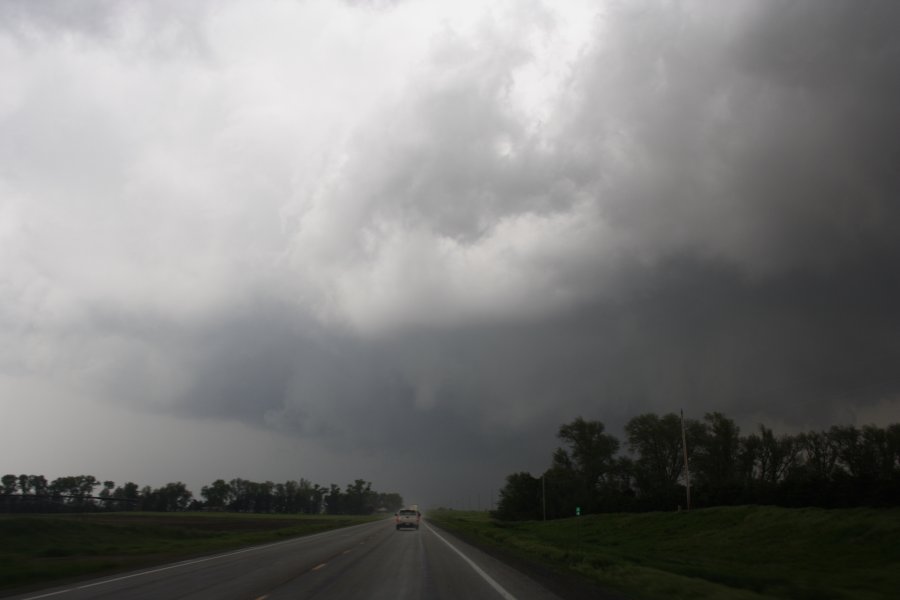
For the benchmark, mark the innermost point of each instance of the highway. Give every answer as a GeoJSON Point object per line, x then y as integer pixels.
{"type": "Point", "coordinates": [369, 561]}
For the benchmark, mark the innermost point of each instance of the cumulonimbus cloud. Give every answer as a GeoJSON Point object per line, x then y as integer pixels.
{"type": "Point", "coordinates": [305, 215]}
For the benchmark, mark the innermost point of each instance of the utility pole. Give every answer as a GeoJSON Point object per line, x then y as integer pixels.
{"type": "Point", "coordinates": [687, 469]}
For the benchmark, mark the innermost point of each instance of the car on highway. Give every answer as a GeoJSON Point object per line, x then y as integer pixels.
{"type": "Point", "coordinates": [407, 518]}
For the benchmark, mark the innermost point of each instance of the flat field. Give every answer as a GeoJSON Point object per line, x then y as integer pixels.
{"type": "Point", "coordinates": [745, 552]}
{"type": "Point", "coordinates": [44, 549]}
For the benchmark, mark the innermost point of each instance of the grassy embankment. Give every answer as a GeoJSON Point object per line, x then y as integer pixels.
{"type": "Point", "coordinates": [744, 552]}
{"type": "Point", "coordinates": [42, 549]}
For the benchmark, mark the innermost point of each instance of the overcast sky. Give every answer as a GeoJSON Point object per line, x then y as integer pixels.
{"type": "Point", "coordinates": [405, 241]}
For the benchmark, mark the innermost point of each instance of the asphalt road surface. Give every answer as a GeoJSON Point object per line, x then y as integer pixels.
{"type": "Point", "coordinates": [369, 561]}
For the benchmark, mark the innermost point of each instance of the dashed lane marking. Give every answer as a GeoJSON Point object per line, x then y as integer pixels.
{"type": "Point", "coordinates": [192, 562]}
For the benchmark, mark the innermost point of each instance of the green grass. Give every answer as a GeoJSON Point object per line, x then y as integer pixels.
{"type": "Point", "coordinates": [42, 549]}
{"type": "Point", "coordinates": [750, 552]}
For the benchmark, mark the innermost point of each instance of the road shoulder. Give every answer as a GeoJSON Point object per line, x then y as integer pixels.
{"type": "Point", "coordinates": [564, 585]}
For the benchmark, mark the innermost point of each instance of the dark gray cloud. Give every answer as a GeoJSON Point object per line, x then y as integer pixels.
{"type": "Point", "coordinates": [465, 230]}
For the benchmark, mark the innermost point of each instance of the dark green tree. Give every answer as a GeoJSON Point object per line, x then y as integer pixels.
{"type": "Point", "coordinates": [9, 484]}
{"type": "Point", "coordinates": [334, 501]}
{"type": "Point", "coordinates": [359, 498]}
{"type": "Point", "coordinates": [38, 484]}
{"type": "Point", "coordinates": [590, 458]}
{"type": "Point", "coordinates": [391, 502]}
{"type": "Point", "coordinates": [168, 498]}
{"type": "Point", "coordinates": [520, 498]}
{"type": "Point", "coordinates": [659, 459]}
{"type": "Point", "coordinates": [128, 496]}
{"type": "Point", "coordinates": [716, 444]}
{"type": "Point", "coordinates": [218, 494]}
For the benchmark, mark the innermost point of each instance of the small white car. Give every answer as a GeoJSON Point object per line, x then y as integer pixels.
{"type": "Point", "coordinates": [407, 517]}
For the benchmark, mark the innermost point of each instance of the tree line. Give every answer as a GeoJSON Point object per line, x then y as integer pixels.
{"type": "Point", "coordinates": [84, 493]}
{"type": "Point", "coordinates": [843, 466]}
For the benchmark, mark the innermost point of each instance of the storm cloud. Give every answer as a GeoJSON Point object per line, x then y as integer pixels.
{"type": "Point", "coordinates": [391, 230]}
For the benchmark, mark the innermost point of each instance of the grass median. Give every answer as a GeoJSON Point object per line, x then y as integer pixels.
{"type": "Point", "coordinates": [746, 552]}
{"type": "Point", "coordinates": [44, 549]}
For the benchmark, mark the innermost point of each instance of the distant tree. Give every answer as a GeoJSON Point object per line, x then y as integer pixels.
{"type": "Point", "coordinates": [76, 490]}
{"type": "Point", "coordinates": [106, 495]}
{"type": "Point", "coordinates": [714, 462]}
{"type": "Point", "coordinates": [308, 497]}
{"type": "Point", "coordinates": [561, 489]}
{"type": "Point", "coordinates": [878, 452]}
{"type": "Point", "coordinates": [168, 498]}
{"type": "Point", "coordinates": [620, 491]}
{"type": "Point", "coordinates": [334, 502]}
{"type": "Point", "coordinates": [8, 501]}
{"type": "Point", "coordinates": [282, 496]}
{"type": "Point", "coordinates": [218, 494]}
{"type": "Point", "coordinates": [293, 496]}
{"type": "Point", "coordinates": [778, 454]}
{"type": "Point", "coordinates": [316, 499]}
{"type": "Point", "coordinates": [148, 499]}
{"type": "Point", "coordinates": [178, 496]}
{"type": "Point", "coordinates": [359, 498]}
{"type": "Point", "coordinates": [9, 484]}
{"type": "Point", "coordinates": [590, 457]}
{"type": "Point", "coordinates": [659, 462]}
{"type": "Point", "coordinates": [893, 443]}
{"type": "Point", "coordinates": [128, 496]}
{"type": "Point", "coordinates": [764, 463]}
{"type": "Point", "coordinates": [250, 496]}
{"type": "Point", "coordinates": [867, 465]}
{"type": "Point", "coordinates": [57, 488]}
{"type": "Point", "coordinates": [520, 498]}
{"type": "Point", "coordinates": [850, 455]}
{"type": "Point", "coordinates": [241, 490]}
{"type": "Point", "coordinates": [38, 484]}
{"type": "Point", "coordinates": [391, 502]}
{"type": "Point", "coordinates": [263, 497]}
{"type": "Point", "coordinates": [812, 479]}
{"type": "Point", "coordinates": [820, 455]}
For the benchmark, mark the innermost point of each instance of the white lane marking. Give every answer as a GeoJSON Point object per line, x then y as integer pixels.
{"type": "Point", "coordinates": [499, 588]}
{"type": "Point", "coordinates": [188, 563]}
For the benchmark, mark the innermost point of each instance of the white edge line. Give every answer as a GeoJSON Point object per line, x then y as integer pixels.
{"type": "Point", "coordinates": [192, 562]}
{"type": "Point", "coordinates": [499, 588]}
